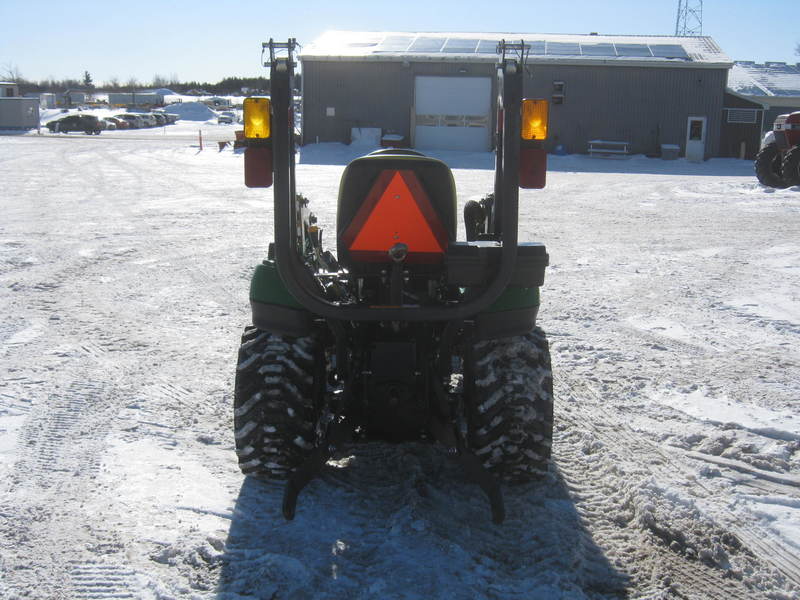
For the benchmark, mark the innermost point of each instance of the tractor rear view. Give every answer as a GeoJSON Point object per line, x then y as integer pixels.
{"type": "Point", "coordinates": [405, 333]}
{"type": "Point", "coordinates": [778, 162]}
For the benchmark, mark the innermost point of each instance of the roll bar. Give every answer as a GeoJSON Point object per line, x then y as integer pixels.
{"type": "Point", "coordinates": [296, 276]}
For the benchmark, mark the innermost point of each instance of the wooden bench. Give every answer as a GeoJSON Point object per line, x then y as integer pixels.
{"type": "Point", "coordinates": [604, 147]}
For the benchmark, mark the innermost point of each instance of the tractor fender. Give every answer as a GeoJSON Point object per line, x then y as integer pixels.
{"type": "Point", "coordinates": [769, 138]}
{"type": "Point", "coordinates": [513, 313]}
{"type": "Point", "coordinates": [274, 308]}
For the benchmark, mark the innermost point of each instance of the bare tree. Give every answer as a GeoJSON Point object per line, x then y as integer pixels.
{"type": "Point", "coordinates": [797, 49]}
{"type": "Point", "coordinates": [11, 72]}
{"type": "Point", "coordinates": [113, 83]}
{"type": "Point", "coordinates": [132, 84]}
{"type": "Point", "coordinates": [159, 81]}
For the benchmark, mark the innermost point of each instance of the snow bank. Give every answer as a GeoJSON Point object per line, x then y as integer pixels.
{"type": "Point", "coordinates": [191, 111]}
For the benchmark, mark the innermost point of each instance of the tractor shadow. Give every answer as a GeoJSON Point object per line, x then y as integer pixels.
{"type": "Point", "coordinates": [403, 522]}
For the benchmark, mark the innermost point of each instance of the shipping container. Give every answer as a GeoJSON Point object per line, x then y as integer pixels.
{"type": "Point", "coordinates": [19, 113]}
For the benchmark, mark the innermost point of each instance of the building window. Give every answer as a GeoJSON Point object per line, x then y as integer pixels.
{"type": "Point", "coordinates": [742, 115]}
{"type": "Point", "coordinates": [695, 130]}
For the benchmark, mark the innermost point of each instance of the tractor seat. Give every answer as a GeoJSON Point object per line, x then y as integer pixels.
{"type": "Point", "coordinates": [407, 190]}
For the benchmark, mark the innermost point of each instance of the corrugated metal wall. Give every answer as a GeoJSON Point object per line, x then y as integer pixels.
{"type": "Point", "coordinates": [735, 132]}
{"type": "Point", "coordinates": [366, 94]}
{"type": "Point", "coordinates": [645, 106]}
{"type": "Point", "coordinates": [19, 113]}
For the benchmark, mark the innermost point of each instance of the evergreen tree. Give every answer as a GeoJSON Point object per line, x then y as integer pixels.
{"type": "Point", "coordinates": [87, 80]}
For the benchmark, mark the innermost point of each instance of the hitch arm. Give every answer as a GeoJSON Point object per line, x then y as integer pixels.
{"type": "Point", "coordinates": [445, 432]}
{"type": "Point", "coordinates": [338, 433]}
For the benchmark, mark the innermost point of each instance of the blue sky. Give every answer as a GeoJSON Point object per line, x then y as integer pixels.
{"type": "Point", "coordinates": [205, 41]}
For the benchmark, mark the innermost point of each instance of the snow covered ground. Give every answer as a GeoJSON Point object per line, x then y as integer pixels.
{"type": "Point", "coordinates": [673, 311]}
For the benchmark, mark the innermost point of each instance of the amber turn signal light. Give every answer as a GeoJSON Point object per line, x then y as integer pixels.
{"type": "Point", "coordinates": [534, 119]}
{"type": "Point", "coordinates": [257, 118]}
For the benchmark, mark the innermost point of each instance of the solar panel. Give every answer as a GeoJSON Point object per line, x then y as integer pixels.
{"type": "Point", "coordinates": [394, 43]}
{"type": "Point", "coordinates": [536, 47]}
{"type": "Point", "coordinates": [563, 48]}
{"type": "Point", "coordinates": [669, 51]}
{"type": "Point", "coordinates": [460, 46]}
{"type": "Point", "coordinates": [487, 47]}
{"type": "Point", "coordinates": [598, 50]}
{"type": "Point", "coordinates": [633, 50]}
{"type": "Point", "coordinates": [426, 44]}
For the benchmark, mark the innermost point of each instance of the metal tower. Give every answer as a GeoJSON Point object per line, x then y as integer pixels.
{"type": "Point", "coordinates": [690, 18]}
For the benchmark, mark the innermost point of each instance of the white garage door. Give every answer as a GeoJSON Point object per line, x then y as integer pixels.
{"type": "Point", "coordinates": [452, 113]}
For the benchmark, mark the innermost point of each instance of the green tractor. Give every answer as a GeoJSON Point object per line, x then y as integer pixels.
{"type": "Point", "coordinates": [405, 333]}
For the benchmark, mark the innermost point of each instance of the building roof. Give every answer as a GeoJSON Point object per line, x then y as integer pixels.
{"type": "Point", "coordinates": [671, 51]}
{"type": "Point", "coordinates": [770, 79]}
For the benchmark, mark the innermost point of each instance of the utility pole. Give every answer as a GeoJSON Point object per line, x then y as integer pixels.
{"type": "Point", "coordinates": [690, 18]}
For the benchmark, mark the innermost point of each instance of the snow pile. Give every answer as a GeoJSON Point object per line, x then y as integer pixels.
{"type": "Point", "coordinates": [365, 136]}
{"type": "Point", "coordinates": [191, 111]}
{"type": "Point", "coordinates": [50, 114]}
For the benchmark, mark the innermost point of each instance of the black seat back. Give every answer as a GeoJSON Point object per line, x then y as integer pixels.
{"type": "Point", "coordinates": [361, 174]}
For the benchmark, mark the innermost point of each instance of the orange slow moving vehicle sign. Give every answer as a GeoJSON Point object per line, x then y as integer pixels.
{"type": "Point", "coordinates": [397, 210]}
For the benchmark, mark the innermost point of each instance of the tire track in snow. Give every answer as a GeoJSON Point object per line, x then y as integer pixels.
{"type": "Point", "coordinates": [101, 581]}
{"type": "Point", "coordinates": [59, 433]}
{"type": "Point", "coordinates": [644, 459]}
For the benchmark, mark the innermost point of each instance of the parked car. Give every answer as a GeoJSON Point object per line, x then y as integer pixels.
{"type": "Point", "coordinates": [227, 116]}
{"type": "Point", "coordinates": [148, 118]}
{"type": "Point", "coordinates": [134, 121]}
{"type": "Point", "coordinates": [109, 123]}
{"type": "Point", "coordinates": [89, 124]}
{"type": "Point", "coordinates": [171, 118]}
{"type": "Point", "coordinates": [160, 118]}
{"type": "Point", "coordinates": [120, 123]}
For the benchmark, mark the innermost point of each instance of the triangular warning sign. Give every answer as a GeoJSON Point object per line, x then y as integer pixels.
{"type": "Point", "coordinates": [397, 210]}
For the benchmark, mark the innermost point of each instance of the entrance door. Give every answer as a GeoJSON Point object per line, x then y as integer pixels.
{"type": "Point", "coordinates": [452, 113]}
{"type": "Point", "coordinates": [696, 139]}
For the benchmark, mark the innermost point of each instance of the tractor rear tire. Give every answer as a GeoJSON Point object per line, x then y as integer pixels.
{"type": "Point", "coordinates": [274, 403]}
{"type": "Point", "coordinates": [510, 406]}
{"type": "Point", "coordinates": [791, 167]}
{"type": "Point", "coordinates": [768, 166]}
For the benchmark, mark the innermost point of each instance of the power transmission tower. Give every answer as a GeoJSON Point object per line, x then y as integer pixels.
{"type": "Point", "coordinates": [690, 18]}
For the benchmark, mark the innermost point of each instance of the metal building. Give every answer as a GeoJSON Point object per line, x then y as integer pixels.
{"type": "Point", "coordinates": [19, 113]}
{"type": "Point", "coordinates": [741, 133]}
{"type": "Point", "coordinates": [8, 89]}
{"type": "Point", "coordinates": [775, 86]}
{"type": "Point", "coordinates": [436, 90]}
{"type": "Point", "coordinates": [120, 99]}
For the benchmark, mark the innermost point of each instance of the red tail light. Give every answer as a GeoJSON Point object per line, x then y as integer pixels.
{"type": "Point", "coordinates": [258, 166]}
{"type": "Point", "coordinates": [532, 168]}
{"type": "Point", "coordinates": [397, 209]}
